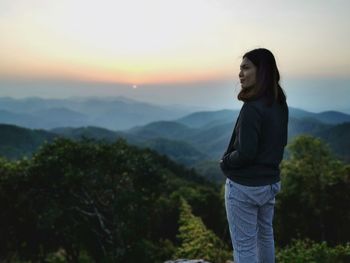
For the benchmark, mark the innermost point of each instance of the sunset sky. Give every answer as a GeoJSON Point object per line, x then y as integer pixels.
{"type": "Point", "coordinates": [181, 52]}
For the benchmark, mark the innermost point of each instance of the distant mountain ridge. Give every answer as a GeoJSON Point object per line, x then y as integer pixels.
{"type": "Point", "coordinates": [122, 113]}
{"type": "Point", "coordinates": [205, 118]}
{"type": "Point", "coordinates": [167, 129]}
{"type": "Point", "coordinates": [112, 113]}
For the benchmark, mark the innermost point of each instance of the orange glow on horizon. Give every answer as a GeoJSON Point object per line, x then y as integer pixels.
{"type": "Point", "coordinates": [137, 76]}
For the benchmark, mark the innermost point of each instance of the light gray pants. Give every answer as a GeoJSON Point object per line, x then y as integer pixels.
{"type": "Point", "coordinates": [249, 211]}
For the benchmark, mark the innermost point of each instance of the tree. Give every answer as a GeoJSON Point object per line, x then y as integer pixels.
{"type": "Point", "coordinates": [196, 240]}
{"type": "Point", "coordinates": [110, 202]}
{"type": "Point", "coordinates": [314, 198]}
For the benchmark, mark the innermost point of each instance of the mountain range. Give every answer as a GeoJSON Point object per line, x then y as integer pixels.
{"type": "Point", "coordinates": [112, 113]}
{"type": "Point", "coordinates": [196, 139]}
{"type": "Point", "coordinates": [122, 113]}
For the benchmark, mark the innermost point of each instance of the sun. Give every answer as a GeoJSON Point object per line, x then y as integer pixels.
{"type": "Point", "coordinates": [134, 86]}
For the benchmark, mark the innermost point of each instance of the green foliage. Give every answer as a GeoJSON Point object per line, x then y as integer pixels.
{"type": "Point", "coordinates": [212, 214]}
{"type": "Point", "coordinates": [307, 251]}
{"type": "Point", "coordinates": [112, 201]}
{"type": "Point", "coordinates": [196, 240]}
{"type": "Point", "coordinates": [96, 201]}
{"type": "Point", "coordinates": [314, 196]}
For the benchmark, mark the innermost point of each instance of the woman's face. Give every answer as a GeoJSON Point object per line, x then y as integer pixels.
{"type": "Point", "coordinates": [247, 74]}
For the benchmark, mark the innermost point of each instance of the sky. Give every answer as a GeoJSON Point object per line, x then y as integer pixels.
{"type": "Point", "coordinates": [173, 52]}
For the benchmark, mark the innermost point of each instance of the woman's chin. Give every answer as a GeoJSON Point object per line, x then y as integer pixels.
{"type": "Point", "coordinates": [245, 87]}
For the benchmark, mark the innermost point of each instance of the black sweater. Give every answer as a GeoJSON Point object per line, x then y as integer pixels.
{"type": "Point", "coordinates": [257, 143]}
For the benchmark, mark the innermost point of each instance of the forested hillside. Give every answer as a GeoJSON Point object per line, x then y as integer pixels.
{"type": "Point", "coordinates": [17, 142]}
{"type": "Point", "coordinates": [93, 201]}
{"type": "Point", "coordinates": [92, 197]}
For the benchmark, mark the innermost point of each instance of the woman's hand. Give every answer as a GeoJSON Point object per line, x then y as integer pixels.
{"type": "Point", "coordinates": [222, 165]}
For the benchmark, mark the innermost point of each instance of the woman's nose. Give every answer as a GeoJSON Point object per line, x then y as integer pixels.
{"type": "Point", "coordinates": [240, 74]}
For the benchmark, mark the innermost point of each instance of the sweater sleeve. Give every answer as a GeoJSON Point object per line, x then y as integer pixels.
{"type": "Point", "coordinates": [249, 128]}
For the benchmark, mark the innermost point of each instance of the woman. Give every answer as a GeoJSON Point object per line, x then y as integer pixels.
{"type": "Point", "coordinates": [251, 161]}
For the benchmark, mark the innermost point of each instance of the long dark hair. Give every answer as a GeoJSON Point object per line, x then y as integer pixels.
{"type": "Point", "coordinates": [267, 78]}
